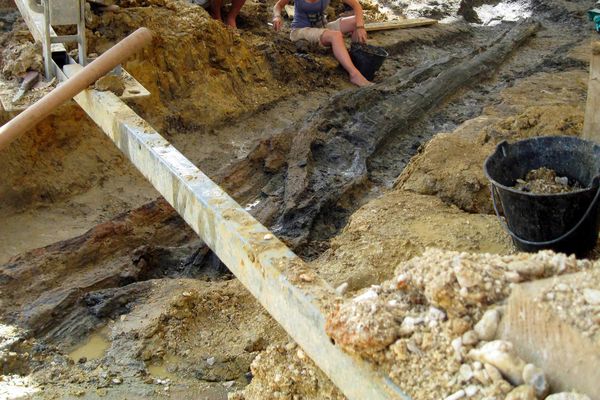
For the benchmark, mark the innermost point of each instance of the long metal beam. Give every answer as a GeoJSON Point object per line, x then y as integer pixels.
{"type": "Point", "coordinates": [288, 289]}
{"type": "Point", "coordinates": [279, 279]}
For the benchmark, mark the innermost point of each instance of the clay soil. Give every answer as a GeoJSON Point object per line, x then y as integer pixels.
{"type": "Point", "coordinates": [106, 293]}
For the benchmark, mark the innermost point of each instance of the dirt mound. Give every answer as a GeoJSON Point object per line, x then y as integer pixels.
{"type": "Point", "coordinates": [285, 372]}
{"type": "Point", "coordinates": [199, 71]}
{"type": "Point", "coordinates": [450, 166]}
{"type": "Point", "coordinates": [409, 324]}
{"type": "Point", "coordinates": [398, 226]}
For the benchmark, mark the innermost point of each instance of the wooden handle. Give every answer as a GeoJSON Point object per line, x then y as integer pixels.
{"type": "Point", "coordinates": [72, 86]}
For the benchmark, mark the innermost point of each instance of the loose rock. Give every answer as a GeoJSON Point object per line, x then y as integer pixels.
{"type": "Point", "coordinates": [488, 325]}
{"type": "Point", "coordinates": [536, 378]}
{"type": "Point", "coordinates": [501, 355]}
{"type": "Point", "coordinates": [523, 392]}
{"type": "Point", "coordinates": [567, 396]}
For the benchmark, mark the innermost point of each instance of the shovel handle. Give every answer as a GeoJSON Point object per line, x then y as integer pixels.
{"type": "Point", "coordinates": [72, 86]}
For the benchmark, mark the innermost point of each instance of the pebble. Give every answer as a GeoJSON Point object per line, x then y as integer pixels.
{"type": "Point", "coordinates": [482, 376]}
{"type": "Point", "coordinates": [457, 346]}
{"type": "Point", "coordinates": [437, 314]}
{"type": "Point", "coordinates": [455, 396]}
{"type": "Point", "coordinates": [493, 372]}
{"type": "Point", "coordinates": [591, 296]}
{"type": "Point", "coordinates": [488, 325]}
{"type": "Point", "coordinates": [465, 373]}
{"type": "Point", "coordinates": [409, 325]}
{"type": "Point", "coordinates": [290, 346]}
{"type": "Point", "coordinates": [470, 338]}
{"type": "Point", "coordinates": [306, 278]}
{"type": "Point", "coordinates": [535, 377]}
{"type": "Point", "coordinates": [567, 396]}
{"type": "Point", "coordinates": [523, 392]}
{"type": "Point", "coordinates": [343, 288]}
{"type": "Point", "coordinates": [268, 236]}
{"type": "Point", "coordinates": [210, 361]}
{"type": "Point", "coordinates": [501, 355]}
{"type": "Point", "coordinates": [471, 390]}
{"type": "Point", "coordinates": [562, 287]}
{"type": "Point", "coordinates": [228, 384]}
{"type": "Point", "coordinates": [300, 354]}
{"type": "Point", "coordinates": [117, 381]}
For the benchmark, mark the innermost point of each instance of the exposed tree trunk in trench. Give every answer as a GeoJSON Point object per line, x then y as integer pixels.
{"type": "Point", "coordinates": [327, 156]}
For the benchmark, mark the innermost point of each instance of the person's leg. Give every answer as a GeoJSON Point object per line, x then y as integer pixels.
{"type": "Point", "coordinates": [215, 9]}
{"type": "Point", "coordinates": [236, 6]}
{"type": "Point", "coordinates": [347, 24]}
{"type": "Point", "coordinates": [335, 39]}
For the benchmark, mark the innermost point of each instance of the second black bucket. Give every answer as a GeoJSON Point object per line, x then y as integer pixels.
{"type": "Point", "coordinates": [564, 222]}
{"type": "Point", "coordinates": [367, 59]}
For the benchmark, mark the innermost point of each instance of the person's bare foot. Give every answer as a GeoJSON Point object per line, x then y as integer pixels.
{"type": "Point", "coordinates": [231, 22]}
{"type": "Point", "coordinates": [360, 80]}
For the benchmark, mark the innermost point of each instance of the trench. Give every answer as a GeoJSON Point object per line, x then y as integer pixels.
{"type": "Point", "coordinates": [136, 269]}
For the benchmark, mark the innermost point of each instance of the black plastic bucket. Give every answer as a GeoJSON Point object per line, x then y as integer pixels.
{"type": "Point", "coordinates": [564, 222]}
{"type": "Point", "coordinates": [367, 59]}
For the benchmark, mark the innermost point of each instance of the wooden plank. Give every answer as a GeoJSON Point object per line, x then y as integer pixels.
{"type": "Point", "coordinates": [591, 123]}
{"type": "Point", "coordinates": [403, 24]}
{"type": "Point", "coordinates": [568, 357]}
{"type": "Point", "coordinates": [296, 297]}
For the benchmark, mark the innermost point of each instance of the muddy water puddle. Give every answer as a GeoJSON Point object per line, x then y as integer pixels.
{"type": "Point", "coordinates": [166, 368]}
{"type": "Point", "coordinates": [92, 349]}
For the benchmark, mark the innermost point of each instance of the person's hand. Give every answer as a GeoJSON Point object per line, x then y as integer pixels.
{"type": "Point", "coordinates": [277, 23]}
{"type": "Point", "coordinates": [359, 35]}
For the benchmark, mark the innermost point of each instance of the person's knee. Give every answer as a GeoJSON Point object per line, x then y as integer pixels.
{"type": "Point", "coordinates": [336, 36]}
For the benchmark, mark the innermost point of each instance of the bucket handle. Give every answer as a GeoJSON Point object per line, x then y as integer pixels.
{"type": "Point", "coordinates": [548, 242]}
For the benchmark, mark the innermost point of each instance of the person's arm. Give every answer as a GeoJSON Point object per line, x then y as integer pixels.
{"type": "Point", "coordinates": [277, 8]}
{"type": "Point", "coordinates": [360, 34]}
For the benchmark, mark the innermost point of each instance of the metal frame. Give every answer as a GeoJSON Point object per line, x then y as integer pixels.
{"type": "Point", "coordinates": [288, 289]}
{"type": "Point", "coordinates": [50, 37]}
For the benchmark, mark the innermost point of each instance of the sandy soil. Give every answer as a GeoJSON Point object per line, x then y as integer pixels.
{"type": "Point", "coordinates": [146, 313]}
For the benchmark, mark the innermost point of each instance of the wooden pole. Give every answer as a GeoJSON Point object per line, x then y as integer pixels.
{"type": "Point", "coordinates": [71, 87]}
{"type": "Point", "coordinates": [591, 123]}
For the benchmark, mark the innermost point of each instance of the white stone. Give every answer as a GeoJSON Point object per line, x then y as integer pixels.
{"type": "Point", "coordinates": [471, 390]}
{"type": "Point", "coordinates": [465, 373]}
{"type": "Point", "coordinates": [340, 290]}
{"type": "Point", "coordinates": [488, 325]}
{"type": "Point", "coordinates": [591, 296]}
{"type": "Point", "coordinates": [493, 372]}
{"type": "Point", "coordinates": [210, 361]}
{"type": "Point", "coordinates": [482, 376]}
{"type": "Point", "coordinates": [523, 392]}
{"type": "Point", "coordinates": [567, 396]}
{"type": "Point", "coordinates": [456, 396]}
{"type": "Point", "coordinates": [436, 314]}
{"type": "Point", "coordinates": [501, 355]}
{"type": "Point", "coordinates": [470, 338]}
{"type": "Point", "coordinates": [409, 325]}
{"type": "Point", "coordinates": [535, 377]}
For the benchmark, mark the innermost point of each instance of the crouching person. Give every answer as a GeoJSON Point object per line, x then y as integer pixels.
{"type": "Point", "coordinates": [310, 24]}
